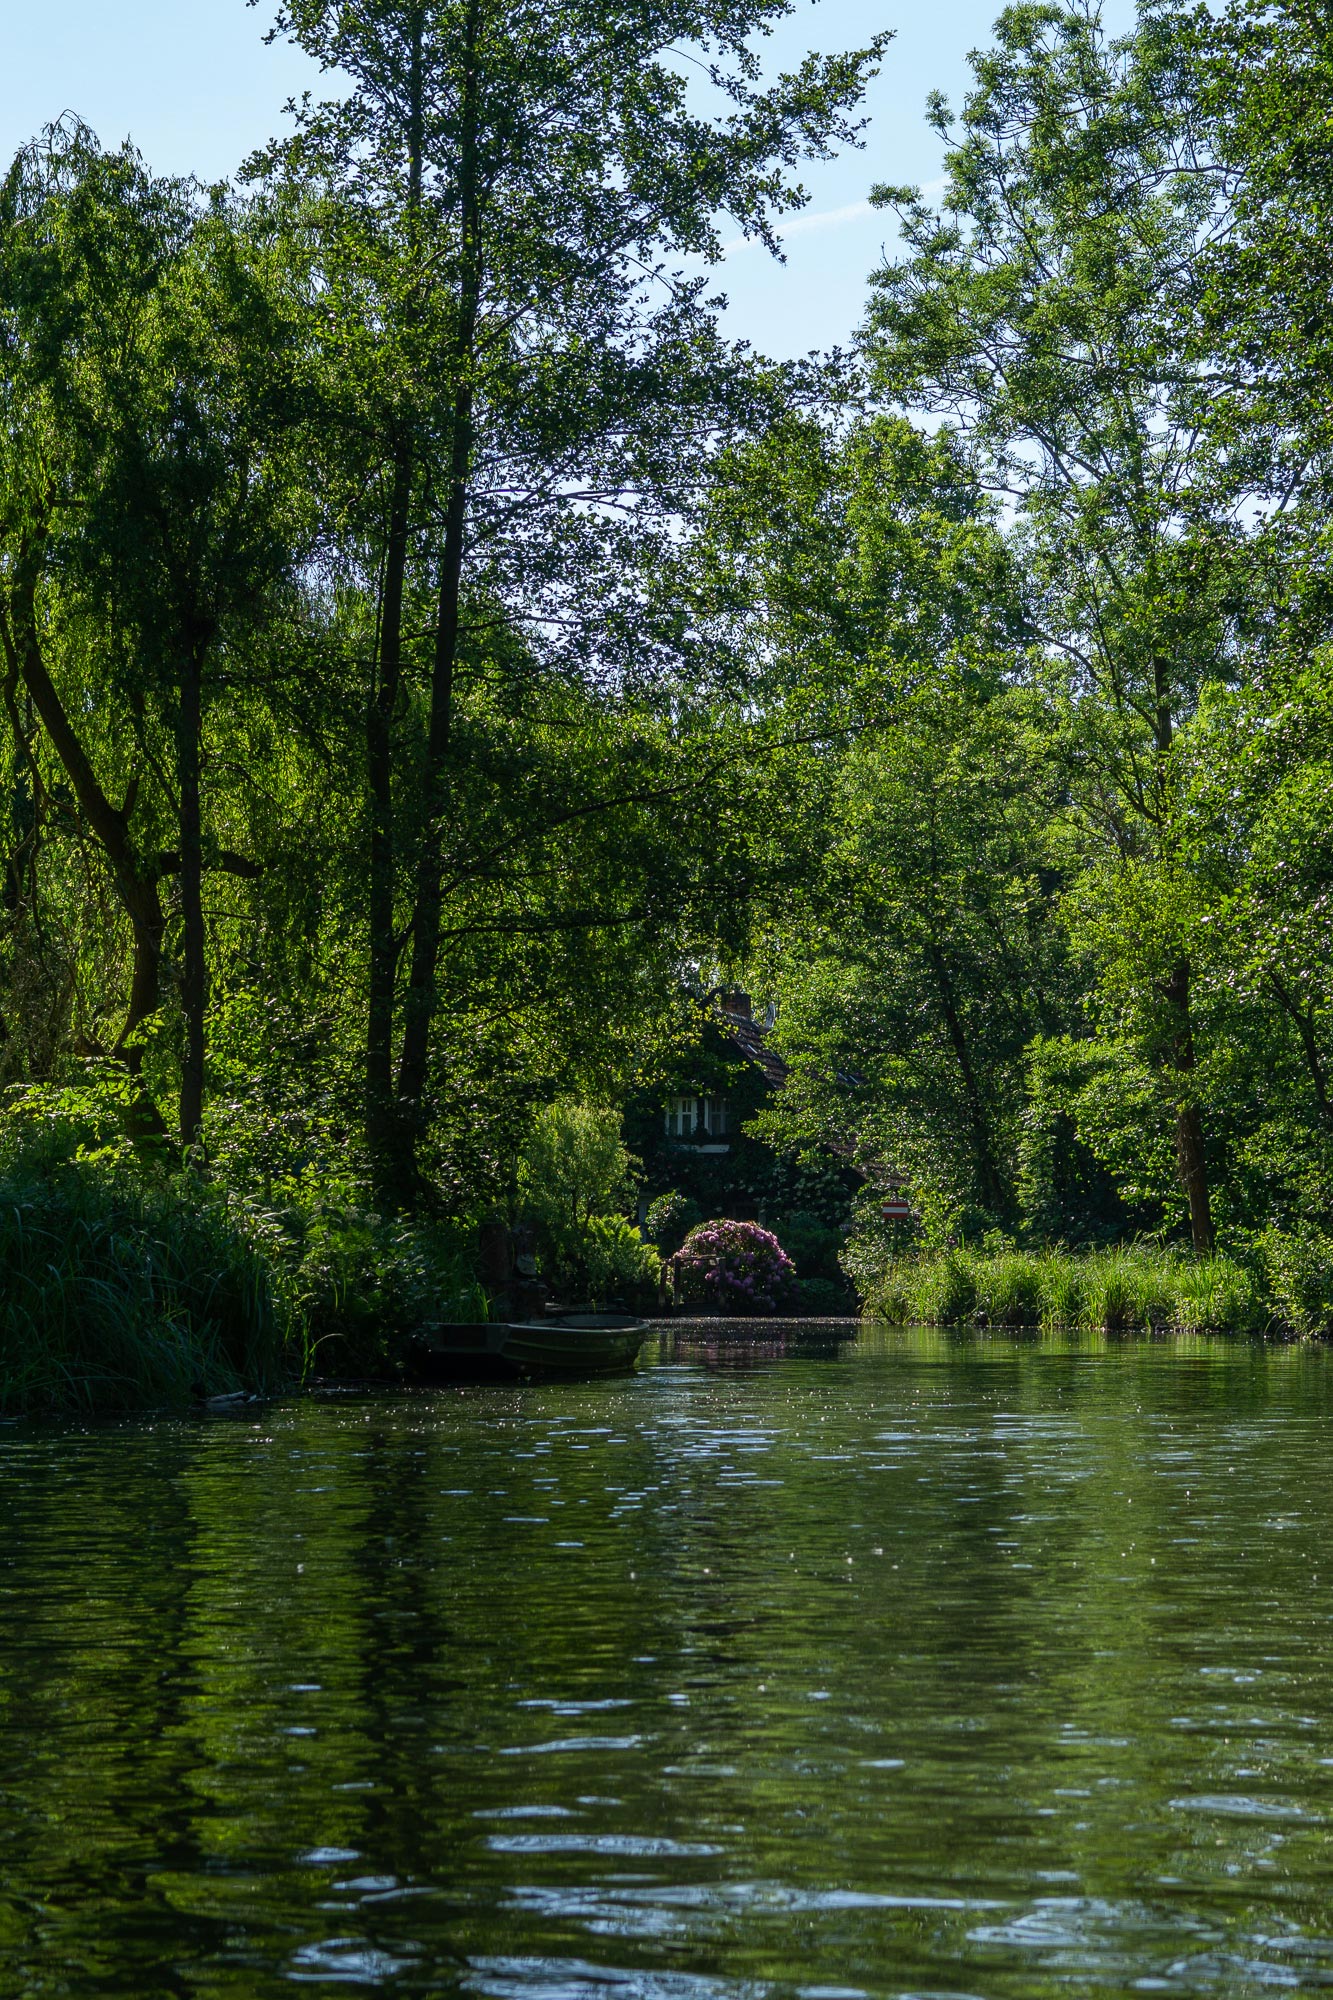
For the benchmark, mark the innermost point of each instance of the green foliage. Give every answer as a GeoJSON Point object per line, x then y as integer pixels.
{"type": "Point", "coordinates": [123, 1291]}
{"type": "Point", "coordinates": [1007, 1290]}
{"type": "Point", "coordinates": [1128, 1289]}
{"type": "Point", "coordinates": [946, 1294]}
{"type": "Point", "coordinates": [927, 953]}
{"type": "Point", "coordinates": [823, 1298]}
{"type": "Point", "coordinates": [574, 1165]}
{"type": "Point", "coordinates": [670, 1219]}
{"type": "Point", "coordinates": [1297, 1273]}
{"type": "Point", "coordinates": [620, 1266]}
{"type": "Point", "coordinates": [366, 1285]}
{"type": "Point", "coordinates": [431, 657]}
{"type": "Point", "coordinates": [811, 1243]}
{"type": "Point", "coordinates": [599, 1260]}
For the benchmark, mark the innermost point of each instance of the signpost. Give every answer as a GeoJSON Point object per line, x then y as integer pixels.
{"type": "Point", "coordinates": [896, 1208]}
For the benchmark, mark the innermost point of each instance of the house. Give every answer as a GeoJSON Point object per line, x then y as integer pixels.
{"type": "Point", "coordinates": [694, 1143]}
{"type": "Point", "coordinates": [693, 1139]}
{"type": "Point", "coordinates": [705, 1120]}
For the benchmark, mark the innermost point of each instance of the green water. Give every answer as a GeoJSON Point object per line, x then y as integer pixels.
{"type": "Point", "coordinates": [924, 1666]}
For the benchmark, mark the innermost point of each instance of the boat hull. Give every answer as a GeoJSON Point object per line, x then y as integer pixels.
{"type": "Point", "coordinates": [574, 1345]}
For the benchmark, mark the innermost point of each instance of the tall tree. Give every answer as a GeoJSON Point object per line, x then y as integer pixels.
{"type": "Point", "coordinates": [149, 523]}
{"type": "Point", "coordinates": [1046, 312]}
{"type": "Point", "coordinates": [529, 387]}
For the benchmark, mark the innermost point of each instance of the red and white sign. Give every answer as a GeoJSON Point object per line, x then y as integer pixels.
{"type": "Point", "coordinates": [896, 1209]}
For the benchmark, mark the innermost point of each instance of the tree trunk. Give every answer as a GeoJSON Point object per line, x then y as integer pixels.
{"type": "Point", "coordinates": [381, 1111]}
{"type": "Point", "coordinates": [194, 965]}
{"type": "Point", "coordinates": [419, 1002]}
{"type": "Point", "coordinates": [1191, 1158]}
{"type": "Point", "coordinates": [383, 971]}
{"type": "Point", "coordinates": [136, 885]}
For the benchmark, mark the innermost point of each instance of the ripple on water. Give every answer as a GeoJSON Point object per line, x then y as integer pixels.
{"type": "Point", "coordinates": [917, 1666]}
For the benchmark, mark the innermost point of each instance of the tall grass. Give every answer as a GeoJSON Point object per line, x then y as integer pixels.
{"type": "Point", "coordinates": [117, 1293]}
{"type": "Point", "coordinates": [1130, 1290]}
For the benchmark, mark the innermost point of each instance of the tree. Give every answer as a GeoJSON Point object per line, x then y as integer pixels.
{"type": "Point", "coordinates": [1046, 314]}
{"type": "Point", "coordinates": [197, 529]}
{"type": "Point", "coordinates": [527, 390]}
{"type": "Point", "coordinates": [82, 235]}
{"type": "Point", "coordinates": [152, 522]}
{"type": "Point", "coordinates": [927, 954]}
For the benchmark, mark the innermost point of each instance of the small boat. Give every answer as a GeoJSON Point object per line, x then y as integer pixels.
{"type": "Point", "coordinates": [568, 1344]}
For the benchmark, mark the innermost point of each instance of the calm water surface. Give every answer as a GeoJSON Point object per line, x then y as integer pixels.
{"type": "Point", "coordinates": [920, 1666]}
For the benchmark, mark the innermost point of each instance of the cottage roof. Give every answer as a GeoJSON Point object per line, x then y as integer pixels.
{"type": "Point", "coordinates": [745, 1034]}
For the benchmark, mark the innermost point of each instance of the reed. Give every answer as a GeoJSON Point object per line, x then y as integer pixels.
{"type": "Point", "coordinates": [119, 1294]}
{"type": "Point", "coordinates": [1137, 1288]}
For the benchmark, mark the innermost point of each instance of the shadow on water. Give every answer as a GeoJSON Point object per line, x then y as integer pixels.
{"type": "Point", "coordinates": [902, 1665]}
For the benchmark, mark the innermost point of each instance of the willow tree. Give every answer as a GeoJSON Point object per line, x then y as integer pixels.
{"type": "Point", "coordinates": [524, 388]}
{"type": "Point", "coordinates": [148, 526]}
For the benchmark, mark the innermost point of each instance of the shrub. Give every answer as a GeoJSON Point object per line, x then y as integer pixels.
{"type": "Point", "coordinates": [575, 1165]}
{"type": "Point", "coordinates": [812, 1244]}
{"type": "Point", "coordinates": [670, 1219]}
{"type": "Point", "coordinates": [120, 1291]}
{"type": "Point", "coordinates": [1296, 1271]}
{"type": "Point", "coordinates": [735, 1265]}
{"type": "Point", "coordinates": [365, 1284]}
{"type": "Point", "coordinates": [620, 1266]}
{"type": "Point", "coordinates": [824, 1298]}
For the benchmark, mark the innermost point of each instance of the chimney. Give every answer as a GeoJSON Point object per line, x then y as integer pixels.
{"type": "Point", "coordinates": [736, 1004]}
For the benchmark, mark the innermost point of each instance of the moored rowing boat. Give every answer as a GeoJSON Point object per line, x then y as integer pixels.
{"type": "Point", "coordinates": [571, 1344]}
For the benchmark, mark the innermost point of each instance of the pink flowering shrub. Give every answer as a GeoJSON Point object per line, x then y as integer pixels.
{"type": "Point", "coordinates": [734, 1265]}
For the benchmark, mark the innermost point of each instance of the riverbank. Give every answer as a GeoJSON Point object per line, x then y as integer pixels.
{"type": "Point", "coordinates": [1282, 1288]}
{"type": "Point", "coordinates": [123, 1289]}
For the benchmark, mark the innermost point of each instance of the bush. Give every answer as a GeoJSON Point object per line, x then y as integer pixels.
{"type": "Point", "coordinates": [1296, 1269]}
{"type": "Point", "coordinates": [620, 1267]}
{"type": "Point", "coordinates": [123, 1291]}
{"type": "Point", "coordinates": [365, 1284]}
{"type": "Point", "coordinates": [670, 1219]}
{"type": "Point", "coordinates": [574, 1166]}
{"type": "Point", "coordinates": [812, 1244]}
{"type": "Point", "coordinates": [734, 1265]}
{"type": "Point", "coordinates": [823, 1298]}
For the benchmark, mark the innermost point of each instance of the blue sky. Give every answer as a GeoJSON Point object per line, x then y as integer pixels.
{"type": "Point", "coordinates": [191, 82]}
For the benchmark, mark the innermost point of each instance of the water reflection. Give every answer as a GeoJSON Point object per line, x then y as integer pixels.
{"type": "Point", "coordinates": [750, 1343]}
{"type": "Point", "coordinates": [922, 1664]}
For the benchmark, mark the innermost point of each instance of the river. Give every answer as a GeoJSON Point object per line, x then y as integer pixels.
{"type": "Point", "coordinates": [916, 1665]}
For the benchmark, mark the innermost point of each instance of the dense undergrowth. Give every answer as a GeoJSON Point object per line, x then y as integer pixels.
{"type": "Point", "coordinates": [1283, 1286]}
{"type": "Point", "coordinates": [117, 1294]}
{"type": "Point", "coordinates": [125, 1285]}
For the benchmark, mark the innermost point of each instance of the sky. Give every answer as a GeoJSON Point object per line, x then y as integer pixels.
{"type": "Point", "coordinates": [192, 84]}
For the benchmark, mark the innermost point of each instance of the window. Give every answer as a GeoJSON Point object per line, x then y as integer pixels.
{"type": "Point", "coordinates": [695, 1117]}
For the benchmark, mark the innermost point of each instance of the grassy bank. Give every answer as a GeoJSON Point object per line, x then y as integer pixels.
{"type": "Point", "coordinates": [1281, 1289]}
